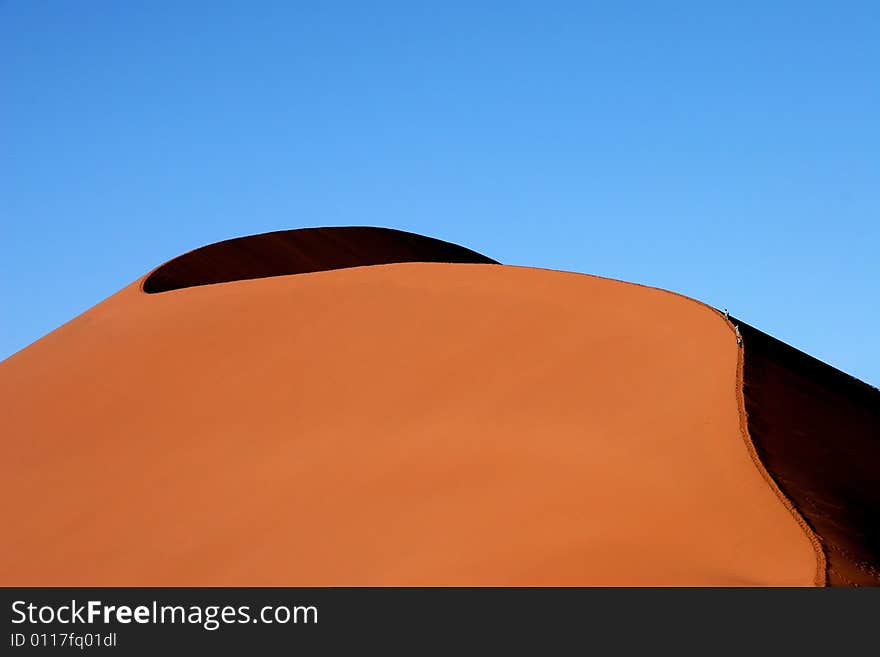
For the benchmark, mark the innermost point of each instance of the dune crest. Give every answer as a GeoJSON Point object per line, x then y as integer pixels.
{"type": "Point", "coordinates": [301, 251]}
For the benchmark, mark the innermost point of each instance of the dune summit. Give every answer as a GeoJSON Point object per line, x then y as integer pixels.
{"type": "Point", "coordinates": [360, 406]}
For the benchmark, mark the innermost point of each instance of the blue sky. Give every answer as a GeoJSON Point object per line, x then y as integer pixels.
{"type": "Point", "coordinates": [729, 151]}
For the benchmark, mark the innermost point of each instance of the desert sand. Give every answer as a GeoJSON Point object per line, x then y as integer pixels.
{"type": "Point", "coordinates": [415, 423]}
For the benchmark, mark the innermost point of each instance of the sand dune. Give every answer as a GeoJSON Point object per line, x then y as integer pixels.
{"type": "Point", "coordinates": [414, 423]}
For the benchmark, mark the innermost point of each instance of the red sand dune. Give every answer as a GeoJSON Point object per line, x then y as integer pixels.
{"type": "Point", "coordinates": [416, 423]}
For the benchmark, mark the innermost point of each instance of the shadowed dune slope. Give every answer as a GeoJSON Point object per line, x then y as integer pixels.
{"type": "Point", "coordinates": [403, 424]}
{"type": "Point", "coordinates": [817, 431]}
{"type": "Point", "coordinates": [302, 251]}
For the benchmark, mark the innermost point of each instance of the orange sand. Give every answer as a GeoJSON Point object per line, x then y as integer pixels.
{"type": "Point", "coordinates": [404, 424]}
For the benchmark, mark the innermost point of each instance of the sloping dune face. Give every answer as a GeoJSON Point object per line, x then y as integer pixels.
{"type": "Point", "coordinates": [400, 424]}
{"type": "Point", "coordinates": [817, 430]}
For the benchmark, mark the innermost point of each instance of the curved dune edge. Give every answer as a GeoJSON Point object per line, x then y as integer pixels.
{"type": "Point", "coordinates": [817, 432]}
{"type": "Point", "coordinates": [146, 326]}
{"type": "Point", "coordinates": [821, 577]}
{"type": "Point", "coordinates": [301, 251]}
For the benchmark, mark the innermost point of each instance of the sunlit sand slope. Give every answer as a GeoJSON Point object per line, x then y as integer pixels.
{"type": "Point", "coordinates": [416, 423]}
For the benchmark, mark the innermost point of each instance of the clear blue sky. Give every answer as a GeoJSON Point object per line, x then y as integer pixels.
{"type": "Point", "coordinates": [729, 151]}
